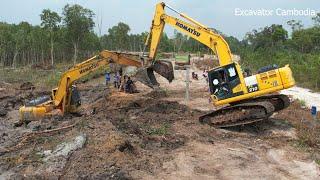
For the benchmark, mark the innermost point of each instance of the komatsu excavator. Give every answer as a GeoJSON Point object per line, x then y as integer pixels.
{"type": "Point", "coordinates": [66, 99]}
{"type": "Point", "coordinates": [245, 99]}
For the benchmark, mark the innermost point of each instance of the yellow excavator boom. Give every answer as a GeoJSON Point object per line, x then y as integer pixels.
{"type": "Point", "coordinates": [60, 101]}
{"type": "Point", "coordinates": [192, 28]}
{"type": "Point", "coordinates": [82, 69]}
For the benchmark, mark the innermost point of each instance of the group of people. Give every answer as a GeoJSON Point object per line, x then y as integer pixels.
{"type": "Point", "coordinates": [204, 74]}
{"type": "Point", "coordinates": [122, 82]}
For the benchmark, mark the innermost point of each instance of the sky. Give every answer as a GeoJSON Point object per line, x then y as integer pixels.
{"type": "Point", "coordinates": [225, 15]}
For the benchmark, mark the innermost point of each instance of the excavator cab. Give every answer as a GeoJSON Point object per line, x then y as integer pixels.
{"type": "Point", "coordinates": [75, 100]}
{"type": "Point", "coordinates": [224, 82]}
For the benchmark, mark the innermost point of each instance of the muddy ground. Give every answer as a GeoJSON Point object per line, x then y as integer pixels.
{"type": "Point", "coordinates": [147, 135]}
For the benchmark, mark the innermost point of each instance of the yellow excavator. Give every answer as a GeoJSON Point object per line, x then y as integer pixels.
{"type": "Point", "coordinates": [65, 98]}
{"type": "Point", "coordinates": [245, 99]}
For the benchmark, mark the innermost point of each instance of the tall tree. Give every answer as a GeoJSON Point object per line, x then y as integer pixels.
{"type": "Point", "coordinates": [295, 25]}
{"type": "Point", "coordinates": [79, 22]}
{"type": "Point", "coordinates": [50, 21]}
{"type": "Point", "coordinates": [270, 36]}
{"type": "Point", "coordinates": [21, 33]}
{"type": "Point", "coordinates": [179, 40]}
{"type": "Point", "coordinates": [316, 19]}
{"type": "Point", "coordinates": [119, 35]}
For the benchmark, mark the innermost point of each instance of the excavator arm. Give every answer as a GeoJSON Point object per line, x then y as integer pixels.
{"type": "Point", "coordinates": [60, 101]}
{"type": "Point", "coordinates": [82, 69]}
{"type": "Point", "coordinates": [191, 28]}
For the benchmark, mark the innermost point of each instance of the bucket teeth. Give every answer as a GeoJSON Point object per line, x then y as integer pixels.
{"type": "Point", "coordinates": [147, 77]}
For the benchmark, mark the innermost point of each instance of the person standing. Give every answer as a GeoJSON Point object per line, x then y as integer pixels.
{"type": "Point", "coordinates": [205, 75]}
{"type": "Point", "coordinates": [107, 76]}
{"type": "Point", "coordinates": [123, 83]}
{"type": "Point", "coordinates": [116, 80]}
{"type": "Point", "coordinates": [120, 72]}
{"type": "Point", "coordinates": [129, 86]}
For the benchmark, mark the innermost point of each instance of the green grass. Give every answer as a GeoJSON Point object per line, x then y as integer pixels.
{"type": "Point", "coordinates": [162, 130]}
{"type": "Point", "coordinates": [302, 102]}
{"type": "Point", "coordinates": [52, 79]}
{"type": "Point", "coordinates": [100, 72]}
{"type": "Point", "coordinates": [46, 78]}
{"type": "Point", "coordinates": [301, 144]}
{"type": "Point", "coordinates": [182, 58]}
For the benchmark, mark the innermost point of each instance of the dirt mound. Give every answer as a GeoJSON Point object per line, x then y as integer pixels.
{"type": "Point", "coordinates": [156, 94]}
{"type": "Point", "coordinates": [308, 130]}
{"type": "Point", "coordinates": [12, 99]}
{"type": "Point", "coordinates": [3, 112]}
{"type": "Point", "coordinates": [126, 134]}
{"type": "Point", "coordinates": [27, 86]}
{"type": "Point", "coordinates": [166, 107]}
{"type": "Point", "coordinates": [205, 64]}
{"type": "Point", "coordinates": [151, 121]}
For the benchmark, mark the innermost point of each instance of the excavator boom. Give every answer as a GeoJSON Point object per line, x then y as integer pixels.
{"type": "Point", "coordinates": [191, 28]}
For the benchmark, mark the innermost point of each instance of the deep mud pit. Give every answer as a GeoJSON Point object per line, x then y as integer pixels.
{"type": "Point", "coordinates": [150, 135]}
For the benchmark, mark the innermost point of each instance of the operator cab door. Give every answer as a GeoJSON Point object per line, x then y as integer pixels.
{"type": "Point", "coordinates": [223, 82]}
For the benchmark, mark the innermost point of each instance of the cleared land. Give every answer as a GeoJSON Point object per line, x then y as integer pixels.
{"type": "Point", "coordinates": [152, 135]}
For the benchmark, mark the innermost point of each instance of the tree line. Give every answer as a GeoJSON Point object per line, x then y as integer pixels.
{"type": "Point", "coordinates": [69, 37]}
{"type": "Point", "coordinates": [274, 45]}
{"type": "Point", "coordinates": [57, 38]}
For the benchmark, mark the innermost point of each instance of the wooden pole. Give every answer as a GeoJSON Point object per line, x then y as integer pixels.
{"type": "Point", "coordinates": [187, 96]}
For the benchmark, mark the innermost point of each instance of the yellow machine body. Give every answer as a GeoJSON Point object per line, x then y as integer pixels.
{"type": "Point", "coordinates": [230, 84]}
{"type": "Point", "coordinates": [31, 113]}
{"type": "Point", "coordinates": [259, 84]}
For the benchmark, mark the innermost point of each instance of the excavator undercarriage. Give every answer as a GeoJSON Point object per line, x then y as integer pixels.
{"type": "Point", "coordinates": [247, 111]}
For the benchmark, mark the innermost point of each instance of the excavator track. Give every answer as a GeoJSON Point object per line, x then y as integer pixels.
{"type": "Point", "coordinates": [246, 112]}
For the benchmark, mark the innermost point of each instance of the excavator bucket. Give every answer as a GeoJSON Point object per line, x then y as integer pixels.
{"type": "Point", "coordinates": [165, 69]}
{"type": "Point", "coordinates": [147, 77]}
